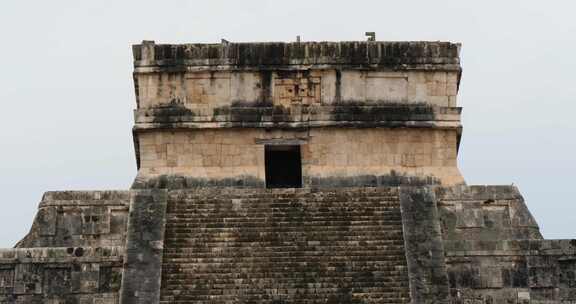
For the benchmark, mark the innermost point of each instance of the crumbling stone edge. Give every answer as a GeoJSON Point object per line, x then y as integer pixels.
{"type": "Point", "coordinates": [144, 247]}
{"type": "Point", "coordinates": [424, 246]}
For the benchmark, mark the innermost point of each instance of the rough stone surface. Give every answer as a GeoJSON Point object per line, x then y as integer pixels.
{"type": "Point", "coordinates": [60, 275]}
{"type": "Point", "coordinates": [393, 55]}
{"type": "Point", "coordinates": [485, 213]}
{"type": "Point", "coordinates": [144, 247]}
{"type": "Point", "coordinates": [495, 252]}
{"type": "Point", "coordinates": [383, 215]}
{"type": "Point", "coordinates": [424, 247]}
{"type": "Point", "coordinates": [79, 218]}
{"type": "Point", "coordinates": [526, 271]}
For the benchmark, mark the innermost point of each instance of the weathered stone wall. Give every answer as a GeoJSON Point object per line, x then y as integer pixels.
{"type": "Point", "coordinates": [144, 247]}
{"type": "Point", "coordinates": [330, 157]}
{"type": "Point", "coordinates": [312, 92]}
{"type": "Point", "coordinates": [495, 252]}
{"type": "Point", "coordinates": [485, 213]}
{"type": "Point", "coordinates": [206, 91]}
{"type": "Point", "coordinates": [424, 246]}
{"type": "Point", "coordinates": [512, 271]}
{"type": "Point", "coordinates": [78, 219]}
{"type": "Point", "coordinates": [61, 275]}
{"type": "Point", "coordinates": [284, 246]}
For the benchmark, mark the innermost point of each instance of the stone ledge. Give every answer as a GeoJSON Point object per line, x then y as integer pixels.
{"type": "Point", "coordinates": [312, 114]}
{"type": "Point", "coordinates": [61, 255]}
{"type": "Point", "coordinates": [478, 192]}
{"type": "Point", "coordinates": [85, 198]}
{"type": "Point", "coordinates": [564, 247]}
{"type": "Point", "coordinates": [79, 218]}
{"type": "Point", "coordinates": [299, 125]}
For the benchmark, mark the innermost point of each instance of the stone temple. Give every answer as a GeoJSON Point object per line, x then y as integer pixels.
{"type": "Point", "coordinates": [305, 172]}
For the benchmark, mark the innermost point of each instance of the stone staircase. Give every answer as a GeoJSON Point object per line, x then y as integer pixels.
{"type": "Point", "coordinates": [284, 246]}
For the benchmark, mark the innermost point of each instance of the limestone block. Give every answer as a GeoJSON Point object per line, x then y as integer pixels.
{"type": "Point", "coordinates": [436, 89]}
{"type": "Point", "coordinates": [353, 86]}
{"type": "Point", "coordinates": [439, 77]}
{"type": "Point", "coordinates": [6, 280]}
{"type": "Point", "coordinates": [452, 77]}
{"type": "Point", "coordinates": [84, 278]}
{"type": "Point", "coordinates": [491, 277]}
{"type": "Point", "coordinates": [208, 88]}
{"type": "Point", "coordinates": [386, 87]}
{"type": "Point", "coordinates": [246, 87]}
{"type": "Point", "coordinates": [452, 101]}
{"type": "Point", "coordinates": [146, 139]}
{"type": "Point", "coordinates": [441, 101]}
{"type": "Point", "coordinates": [47, 220]}
{"type": "Point", "coordinates": [451, 89]}
{"type": "Point", "coordinates": [408, 160]}
{"type": "Point", "coordinates": [95, 220]}
{"type": "Point", "coordinates": [28, 278]}
{"type": "Point", "coordinates": [330, 81]}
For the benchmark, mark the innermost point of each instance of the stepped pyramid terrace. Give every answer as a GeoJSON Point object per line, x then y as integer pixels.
{"type": "Point", "coordinates": [303, 172]}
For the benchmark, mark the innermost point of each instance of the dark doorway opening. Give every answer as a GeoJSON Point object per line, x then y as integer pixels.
{"type": "Point", "coordinates": [283, 166]}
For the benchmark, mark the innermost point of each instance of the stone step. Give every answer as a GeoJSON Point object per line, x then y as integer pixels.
{"type": "Point", "coordinates": [183, 240]}
{"type": "Point", "coordinates": [320, 296]}
{"type": "Point", "coordinates": [284, 247]}
{"type": "Point", "coordinates": [378, 261]}
{"type": "Point", "coordinates": [376, 219]}
{"type": "Point", "coordinates": [265, 205]}
{"type": "Point", "coordinates": [195, 230]}
{"type": "Point", "coordinates": [391, 280]}
{"type": "Point", "coordinates": [264, 222]}
{"type": "Point", "coordinates": [215, 246]}
{"type": "Point", "coordinates": [325, 196]}
{"type": "Point", "coordinates": [268, 212]}
{"type": "Point", "coordinates": [383, 200]}
{"type": "Point", "coordinates": [277, 214]}
{"type": "Point", "coordinates": [261, 232]}
{"type": "Point", "coordinates": [369, 244]}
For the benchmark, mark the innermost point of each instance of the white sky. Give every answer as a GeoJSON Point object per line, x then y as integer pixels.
{"type": "Point", "coordinates": [66, 90]}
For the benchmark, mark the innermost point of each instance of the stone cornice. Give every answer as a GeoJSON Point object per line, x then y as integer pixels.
{"type": "Point", "coordinates": [420, 55]}
{"type": "Point", "coordinates": [303, 117]}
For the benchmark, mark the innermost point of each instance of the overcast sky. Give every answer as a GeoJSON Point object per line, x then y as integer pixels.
{"type": "Point", "coordinates": [66, 90]}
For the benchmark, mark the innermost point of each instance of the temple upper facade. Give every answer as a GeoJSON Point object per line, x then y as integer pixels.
{"type": "Point", "coordinates": [302, 114]}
